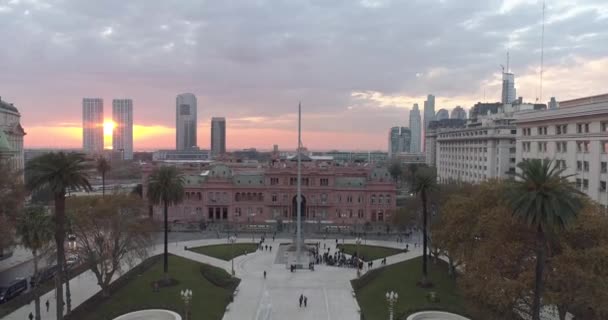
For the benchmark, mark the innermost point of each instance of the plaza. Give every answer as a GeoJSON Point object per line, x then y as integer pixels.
{"type": "Point", "coordinates": [328, 289]}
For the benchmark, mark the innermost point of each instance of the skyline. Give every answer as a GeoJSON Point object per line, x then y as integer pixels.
{"type": "Point", "coordinates": [357, 67]}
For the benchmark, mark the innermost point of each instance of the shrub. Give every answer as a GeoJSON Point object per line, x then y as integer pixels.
{"type": "Point", "coordinates": [219, 277]}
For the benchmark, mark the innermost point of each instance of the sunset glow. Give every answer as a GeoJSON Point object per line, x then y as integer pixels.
{"type": "Point", "coordinates": [108, 127]}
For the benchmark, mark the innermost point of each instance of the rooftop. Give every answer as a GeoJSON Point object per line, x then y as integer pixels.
{"type": "Point", "coordinates": [7, 106]}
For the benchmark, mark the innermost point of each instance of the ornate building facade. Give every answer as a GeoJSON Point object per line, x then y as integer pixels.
{"type": "Point", "coordinates": [344, 195]}
{"type": "Point", "coordinates": [11, 135]}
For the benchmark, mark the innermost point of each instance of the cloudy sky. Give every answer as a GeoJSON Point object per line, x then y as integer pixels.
{"type": "Point", "coordinates": [357, 66]}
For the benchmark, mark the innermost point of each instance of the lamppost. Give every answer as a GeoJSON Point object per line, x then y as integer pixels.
{"type": "Point", "coordinates": [232, 240]}
{"type": "Point", "coordinates": [358, 242]}
{"type": "Point", "coordinates": [391, 298]}
{"type": "Point", "coordinates": [186, 295]}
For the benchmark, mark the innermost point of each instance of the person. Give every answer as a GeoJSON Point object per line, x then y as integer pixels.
{"type": "Point", "coordinates": [270, 248]}
{"type": "Point", "coordinates": [47, 305]}
{"type": "Point", "coordinates": [31, 316]}
{"type": "Point", "coordinates": [301, 300]}
{"type": "Point", "coordinates": [264, 274]}
{"type": "Point", "coordinates": [305, 301]}
{"type": "Point", "coordinates": [407, 246]}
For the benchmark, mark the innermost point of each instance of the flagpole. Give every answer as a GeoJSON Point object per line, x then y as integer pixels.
{"type": "Point", "coordinates": [299, 194]}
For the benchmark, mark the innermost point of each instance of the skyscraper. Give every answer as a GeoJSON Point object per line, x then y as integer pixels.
{"type": "Point", "coordinates": [429, 110]}
{"type": "Point", "coordinates": [92, 125]}
{"type": "Point", "coordinates": [218, 136]}
{"type": "Point", "coordinates": [398, 140]}
{"type": "Point", "coordinates": [185, 121]}
{"type": "Point", "coordinates": [122, 136]}
{"type": "Point", "coordinates": [429, 115]}
{"type": "Point", "coordinates": [415, 128]}
{"type": "Point", "coordinates": [458, 113]}
{"type": "Point", "coordinates": [442, 114]}
{"type": "Point", "coordinates": [508, 88]}
{"type": "Point", "coordinates": [553, 104]}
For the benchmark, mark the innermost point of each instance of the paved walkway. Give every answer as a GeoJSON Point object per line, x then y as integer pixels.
{"type": "Point", "coordinates": [328, 289]}
{"type": "Point", "coordinates": [20, 255]}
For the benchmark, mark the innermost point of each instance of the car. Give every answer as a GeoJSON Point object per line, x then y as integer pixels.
{"type": "Point", "coordinates": [12, 290]}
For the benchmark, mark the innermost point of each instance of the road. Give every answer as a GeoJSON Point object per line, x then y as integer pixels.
{"type": "Point", "coordinates": [26, 269]}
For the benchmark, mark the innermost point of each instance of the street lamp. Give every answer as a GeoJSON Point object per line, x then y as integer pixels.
{"type": "Point", "coordinates": [232, 240]}
{"type": "Point", "coordinates": [186, 296]}
{"type": "Point", "coordinates": [358, 242]}
{"type": "Point", "coordinates": [391, 298]}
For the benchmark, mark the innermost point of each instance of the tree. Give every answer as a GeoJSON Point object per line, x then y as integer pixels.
{"type": "Point", "coordinates": [395, 170]}
{"type": "Point", "coordinates": [103, 166]}
{"type": "Point", "coordinates": [547, 202]}
{"type": "Point", "coordinates": [35, 229]}
{"type": "Point", "coordinates": [11, 201]}
{"type": "Point", "coordinates": [58, 172]}
{"type": "Point", "coordinates": [426, 182]}
{"type": "Point", "coordinates": [166, 188]}
{"type": "Point", "coordinates": [110, 232]}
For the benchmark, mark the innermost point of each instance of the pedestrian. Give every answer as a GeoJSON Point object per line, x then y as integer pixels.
{"type": "Point", "coordinates": [270, 248]}
{"type": "Point", "coordinates": [305, 301]}
{"type": "Point", "coordinates": [31, 316]}
{"type": "Point", "coordinates": [301, 300]}
{"type": "Point", "coordinates": [264, 274]}
{"type": "Point", "coordinates": [266, 247]}
{"type": "Point", "coordinates": [407, 247]}
{"type": "Point", "coordinates": [47, 305]}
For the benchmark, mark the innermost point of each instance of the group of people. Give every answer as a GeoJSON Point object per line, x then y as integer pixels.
{"type": "Point", "coordinates": [303, 299]}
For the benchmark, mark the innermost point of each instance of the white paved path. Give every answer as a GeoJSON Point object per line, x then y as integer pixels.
{"type": "Point", "coordinates": [328, 288]}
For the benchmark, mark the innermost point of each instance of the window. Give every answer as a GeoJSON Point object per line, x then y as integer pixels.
{"type": "Point", "coordinates": [604, 145]}
{"type": "Point", "coordinates": [304, 181]}
{"type": "Point", "coordinates": [323, 198]}
{"type": "Point", "coordinates": [293, 181]}
{"type": "Point", "coordinates": [274, 181]}
{"type": "Point", "coordinates": [604, 167]}
{"type": "Point", "coordinates": [561, 129]}
{"type": "Point", "coordinates": [578, 183]}
{"type": "Point", "coordinates": [579, 165]}
{"type": "Point", "coordinates": [360, 213]}
{"type": "Point", "coordinates": [526, 146]}
{"type": "Point", "coordinates": [274, 197]}
{"type": "Point", "coordinates": [586, 166]}
{"type": "Point", "coordinates": [349, 199]}
{"type": "Point", "coordinates": [582, 146]}
{"type": "Point", "coordinates": [373, 199]}
{"type": "Point", "coordinates": [542, 131]}
{"type": "Point", "coordinates": [324, 182]}
{"type": "Point", "coordinates": [388, 199]}
{"type": "Point", "coordinates": [603, 186]}
{"type": "Point", "coordinates": [527, 131]}
{"type": "Point", "coordinates": [582, 128]}
{"type": "Point", "coordinates": [604, 126]}
{"type": "Point", "coordinates": [542, 147]}
{"type": "Point", "coordinates": [585, 184]}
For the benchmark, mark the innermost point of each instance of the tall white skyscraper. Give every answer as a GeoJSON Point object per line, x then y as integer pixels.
{"type": "Point", "coordinates": [218, 136]}
{"type": "Point", "coordinates": [92, 125]}
{"type": "Point", "coordinates": [122, 137]}
{"type": "Point", "coordinates": [185, 121]}
{"type": "Point", "coordinates": [429, 114]}
{"type": "Point", "coordinates": [442, 114]}
{"type": "Point", "coordinates": [508, 88]}
{"type": "Point", "coordinates": [415, 128]}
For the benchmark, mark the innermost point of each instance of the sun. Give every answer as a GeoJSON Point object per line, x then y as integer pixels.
{"type": "Point", "coordinates": [108, 127]}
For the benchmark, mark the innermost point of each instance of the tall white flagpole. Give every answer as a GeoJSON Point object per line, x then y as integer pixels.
{"type": "Point", "coordinates": [299, 194]}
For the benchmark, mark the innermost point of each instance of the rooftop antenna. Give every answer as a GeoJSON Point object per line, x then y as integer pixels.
{"type": "Point", "coordinates": [542, 53]}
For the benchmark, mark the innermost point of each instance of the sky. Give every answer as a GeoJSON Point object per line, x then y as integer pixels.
{"type": "Point", "coordinates": [356, 66]}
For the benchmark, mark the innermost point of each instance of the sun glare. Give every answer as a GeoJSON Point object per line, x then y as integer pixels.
{"type": "Point", "coordinates": [108, 126]}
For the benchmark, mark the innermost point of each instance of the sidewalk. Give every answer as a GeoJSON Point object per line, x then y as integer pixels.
{"type": "Point", "coordinates": [20, 255]}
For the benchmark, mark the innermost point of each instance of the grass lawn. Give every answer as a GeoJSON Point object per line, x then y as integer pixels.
{"type": "Point", "coordinates": [225, 251]}
{"type": "Point", "coordinates": [370, 252]}
{"type": "Point", "coordinates": [402, 278]}
{"type": "Point", "coordinates": [208, 300]}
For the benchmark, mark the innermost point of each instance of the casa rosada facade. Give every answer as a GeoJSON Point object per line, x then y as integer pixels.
{"type": "Point", "coordinates": [331, 194]}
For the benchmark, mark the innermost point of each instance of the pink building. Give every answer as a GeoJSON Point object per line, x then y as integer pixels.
{"type": "Point", "coordinates": [345, 195]}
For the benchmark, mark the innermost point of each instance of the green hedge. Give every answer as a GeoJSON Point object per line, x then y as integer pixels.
{"type": "Point", "coordinates": [219, 277]}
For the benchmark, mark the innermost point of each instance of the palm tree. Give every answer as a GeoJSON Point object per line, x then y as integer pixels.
{"type": "Point", "coordinates": [546, 201]}
{"type": "Point", "coordinates": [58, 172]}
{"type": "Point", "coordinates": [35, 228]}
{"type": "Point", "coordinates": [103, 166]}
{"type": "Point", "coordinates": [166, 187]}
{"type": "Point", "coordinates": [425, 182]}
